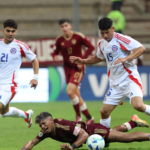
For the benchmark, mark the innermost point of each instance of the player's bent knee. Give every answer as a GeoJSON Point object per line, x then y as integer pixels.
{"type": "Point", "coordinates": [1, 106]}
{"type": "Point", "coordinates": [138, 107]}
{"type": "Point", "coordinates": [104, 112]}
{"type": "Point", "coordinates": [70, 93]}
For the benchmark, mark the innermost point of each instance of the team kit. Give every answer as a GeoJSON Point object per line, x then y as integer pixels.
{"type": "Point", "coordinates": [117, 50]}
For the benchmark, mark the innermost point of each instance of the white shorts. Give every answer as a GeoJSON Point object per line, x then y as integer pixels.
{"type": "Point", "coordinates": [130, 87]}
{"type": "Point", "coordinates": [7, 93]}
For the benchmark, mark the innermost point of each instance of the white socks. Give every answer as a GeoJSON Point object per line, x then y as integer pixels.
{"type": "Point", "coordinates": [83, 107]}
{"type": "Point", "coordinates": [147, 111]}
{"type": "Point", "coordinates": [128, 126]}
{"type": "Point", "coordinates": [75, 101]}
{"type": "Point", "coordinates": [15, 112]}
{"type": "Point", "coordinates": [106, 122]}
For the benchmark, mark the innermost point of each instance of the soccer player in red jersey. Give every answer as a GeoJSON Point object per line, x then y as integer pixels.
{"type": "Point", "coordinates": [76, 133]}
{"type": "Point", "coordinates": [71, 43]}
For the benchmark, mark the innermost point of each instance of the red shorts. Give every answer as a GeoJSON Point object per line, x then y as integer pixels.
{"type": "Point", "coordinates": [74, 76]}
{"type": "Point", "coordinates": [97, 128]}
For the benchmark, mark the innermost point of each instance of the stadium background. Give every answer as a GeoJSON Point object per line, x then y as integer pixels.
{"type": "Point", "coordinates": [38, 27]}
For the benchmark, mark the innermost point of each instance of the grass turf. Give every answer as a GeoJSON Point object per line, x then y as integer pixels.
{"type": "Point", "coordinates": [15, 134]}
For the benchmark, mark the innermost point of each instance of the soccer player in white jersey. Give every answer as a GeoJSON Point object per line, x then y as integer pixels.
{"type": "Point", "coordinates": [118, 51]}
{"type": "Point", "coordinates": [11, 53]}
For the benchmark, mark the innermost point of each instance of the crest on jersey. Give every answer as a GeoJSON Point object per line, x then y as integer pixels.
{"type": "Point", "coordinates": [13, 50]}
{"type": "Point", "coordinates": [62, 43]}
{"type": "Point", "coordinates": [114, 48]}
{"type": "Point", "coordinates": [73, 41]}
{"type": "Point", "coordinates": [40, 134]}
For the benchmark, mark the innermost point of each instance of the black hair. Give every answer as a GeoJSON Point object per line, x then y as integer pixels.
{"type": "Point", "coordinates": [41, 116]}
{"type": "Point", "coordinates": [10, 23]}
{"type": "Point", "coordinates": [61, 21]}
{"type": "Point", "coordinates": [105, 23]}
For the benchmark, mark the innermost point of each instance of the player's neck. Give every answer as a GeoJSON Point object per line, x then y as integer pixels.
{"type": "Point", "coordinates": [68, 35]}
{"type": "Point", "coordinates": [6, 41]}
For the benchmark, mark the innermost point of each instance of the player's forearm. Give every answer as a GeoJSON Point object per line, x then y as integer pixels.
{"type": "Point", "coordinates": [92, 60]}
{"type": "Point", "coordinates": [35, 65]}
{"type": "Point", "coordinates": [28, 146]}
{"type": "Point", "coordinates": [81, 138]}
{"type": "Point", "coordinates": [88, 51]}
{"type": "Point", "coordinates": [136, 53]}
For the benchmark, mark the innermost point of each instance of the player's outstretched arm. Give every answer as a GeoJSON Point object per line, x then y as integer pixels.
{"type": "Point", "coordinates": [31, 144]}
{"type": "Point", "coordinates": [82, 137]}
{"type": "Point", "coordinates": [91, 60]}
{"type": "Point", "coordinates": [35, 65]}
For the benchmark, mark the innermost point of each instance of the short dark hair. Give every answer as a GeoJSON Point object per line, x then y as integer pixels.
{"type": "Point", "coordinates": [41, 116]}
{"type": "Point", "coordinates": [10, 23]}
{"type": "Point", "coordinates": [61, 21]}
{"type": "Point", "coordinates": [105, 23]}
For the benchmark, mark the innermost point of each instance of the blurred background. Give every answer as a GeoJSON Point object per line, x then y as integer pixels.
{"type": "Point", "coordinates": [38, 27]}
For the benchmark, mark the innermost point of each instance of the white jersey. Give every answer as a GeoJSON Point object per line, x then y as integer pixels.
{"type": "Point", "coordinates": [10, 60]}
{"type": "Point", "coordinates": [119, 47]}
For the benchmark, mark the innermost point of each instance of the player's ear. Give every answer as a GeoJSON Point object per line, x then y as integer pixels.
{"type": "Point", "coordinates": [113, 28]}
{"type": "Point", "coordinates": [51, 119]}
{"type": "Point", "coordinates": [70, 26]}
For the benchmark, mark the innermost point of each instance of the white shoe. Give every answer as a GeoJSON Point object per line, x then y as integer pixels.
{"type": "Point", "coordinates": [29, 119]}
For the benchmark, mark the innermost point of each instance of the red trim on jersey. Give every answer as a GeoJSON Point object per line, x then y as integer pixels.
{"type": "Point", "coordinates": [26, 113]}
{"type": "Point", "coordinates": [123, 39]}
{"type": "Point", "coordinates": [108, 73]}
{"type": "Point", "coordinates": [22, 52]}
{"type": "Point", "coordinates": [129, 71]}
{"type": "Point", "coordinates": [99, 47]}
{"type": "Point", "coordinates": [121, 103]}
{"type": "Point", "coordinates": [1, 39]}
{"type": "Point", "coordinates": [13, 87]}
{"type": "Point", "coordinates": [13, 81]}
{"type": "Point", "coordinates": [12, 96]}
{"type": "Point", "coordinates": [136, 81]}
{"type": "Point", "coordinates": [122, 47]}
{"type": "Point", "coordinates": [25, 45]}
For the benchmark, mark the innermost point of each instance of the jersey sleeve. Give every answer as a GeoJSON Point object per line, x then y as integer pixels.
{"type": "Point", "coordinates": [42, 136]}
{"type": "Point", "coordinates": [128, 43]}
{"type": "Point", "coordinates": [69, 126]}
{"type": "Point", "coordinates": [87, 43]}
{"type": "Point", "coordinates": [58, 47]}
{"type": "Point", "coordinates": [99, 52]}
{"type": "Point", "coordinates": [26, 52]}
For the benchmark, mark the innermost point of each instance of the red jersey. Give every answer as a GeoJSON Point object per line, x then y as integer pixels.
{"type": "Point", "coordinates": [67, 131]}
{"type": "Point", "coordinates": [73, 46]}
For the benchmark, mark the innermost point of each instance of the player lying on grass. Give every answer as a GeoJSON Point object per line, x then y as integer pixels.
{"type": "Point", "coordinates": [76, 133]}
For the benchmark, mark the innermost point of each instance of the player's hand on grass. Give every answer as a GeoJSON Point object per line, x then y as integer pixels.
{"type": "Point", "coordinates": [76, 60]}
{"type": "Point", "coordinates": [33, 83]}
{"type": "Point", "coordinates": [120, 60]}
{"type": "Point", "coordinates": [66, 147]}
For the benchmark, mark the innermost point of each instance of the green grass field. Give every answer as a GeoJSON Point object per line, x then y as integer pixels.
{"type": "Point", "coordinates": [14, 132]}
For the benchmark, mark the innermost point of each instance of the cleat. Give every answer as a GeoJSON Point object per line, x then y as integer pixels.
{"type": "Point", "coordinates": [78, 118]}
{"type": "Point", "coordinates": [139, 122]}
{"type": "Point", "coordinates": [89, 121]}
{"type": "Point", "coordinates": [29, 119]}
